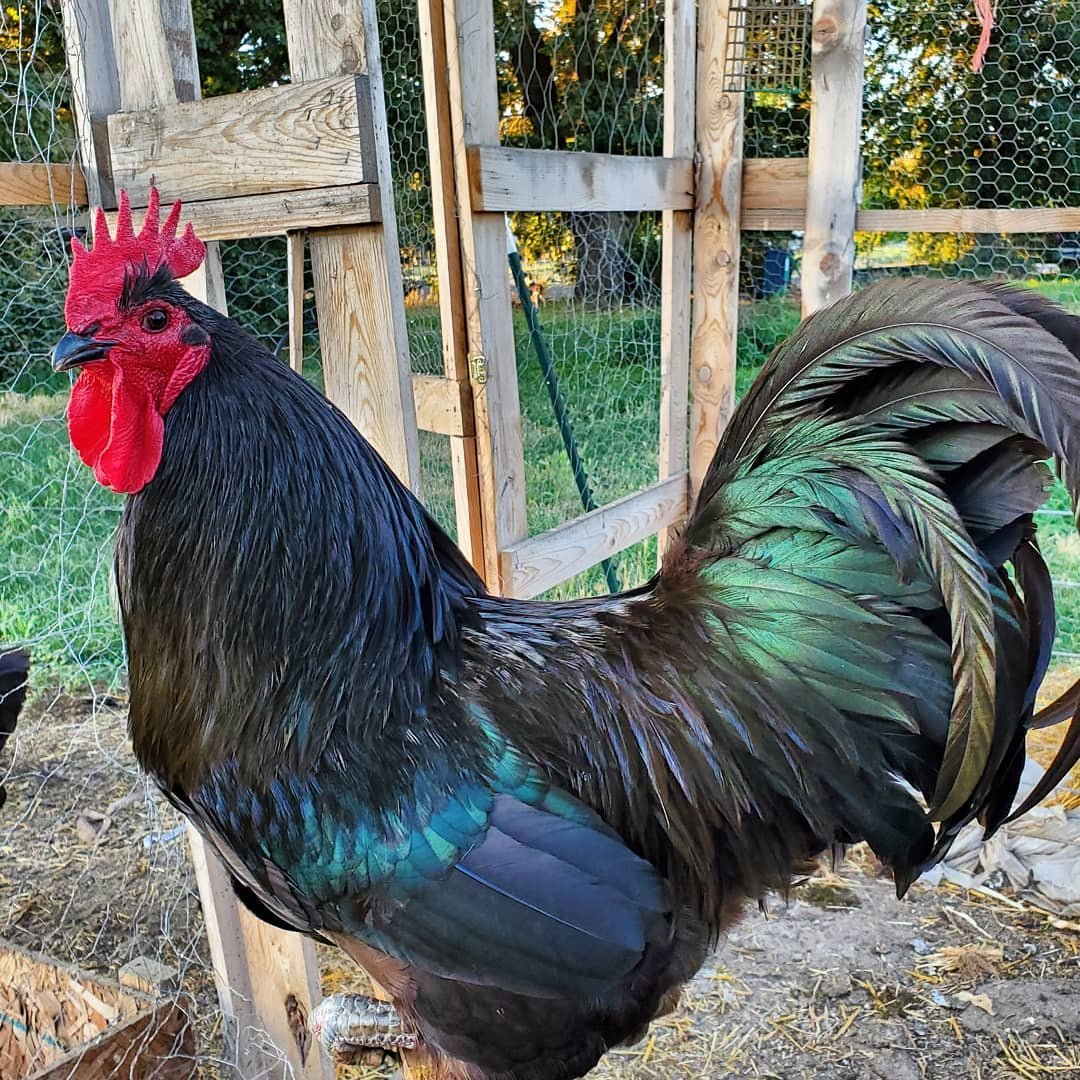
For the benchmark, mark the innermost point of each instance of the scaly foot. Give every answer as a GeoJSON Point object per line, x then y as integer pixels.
{"type": "Point", "coordinates": [355, 1029]}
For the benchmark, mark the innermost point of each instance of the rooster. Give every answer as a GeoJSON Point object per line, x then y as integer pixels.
{"type": "Point", "coordinates": [14, 668]}
{"type": "Point", "coordinates": [530, 821]}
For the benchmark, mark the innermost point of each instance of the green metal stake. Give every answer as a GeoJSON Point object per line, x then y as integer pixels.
{"type": "Point", "coordinates": [558, 402]}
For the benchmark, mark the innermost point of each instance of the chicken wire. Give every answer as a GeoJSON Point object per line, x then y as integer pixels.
{"type": "Point", "coordinates": [937, 134]}
{"type": "Point", "coordinates": [587, 76]}
{"type": "Point", "coordinates": [594, 75]}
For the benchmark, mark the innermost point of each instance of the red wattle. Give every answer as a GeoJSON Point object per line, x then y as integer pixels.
{"type": "Point", "coordinates": [116, 429]}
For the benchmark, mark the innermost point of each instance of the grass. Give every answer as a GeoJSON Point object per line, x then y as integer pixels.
{"type": "Point", "coordinates": [56, 523]}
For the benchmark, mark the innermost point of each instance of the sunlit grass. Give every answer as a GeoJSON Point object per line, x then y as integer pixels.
{"type": "Point", "coordinates": [56, 524]}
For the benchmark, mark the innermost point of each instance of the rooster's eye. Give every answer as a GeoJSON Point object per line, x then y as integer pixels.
{"type": "Point", "coordinates": [155, 320]}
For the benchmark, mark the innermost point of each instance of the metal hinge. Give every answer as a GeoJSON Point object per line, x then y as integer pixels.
{"type": "Point", "coordinates": [478, 369]}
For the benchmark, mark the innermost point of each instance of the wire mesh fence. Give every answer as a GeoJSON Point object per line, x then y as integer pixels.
{"type": "Point", "coordinates": [587, 77]}
{"type": "Point", "coordinates": [94, 869]}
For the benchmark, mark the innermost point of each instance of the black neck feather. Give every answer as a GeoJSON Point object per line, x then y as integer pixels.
{"type": "Point", "coordinates": [282, 592]}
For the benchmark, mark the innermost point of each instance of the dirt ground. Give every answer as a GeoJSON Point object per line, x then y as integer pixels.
{"type": "Point", "coordinates": [841, 983]}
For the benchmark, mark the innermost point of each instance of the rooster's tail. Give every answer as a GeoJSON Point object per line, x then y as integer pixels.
{"type": "Point", "coordinates": [866, 529]}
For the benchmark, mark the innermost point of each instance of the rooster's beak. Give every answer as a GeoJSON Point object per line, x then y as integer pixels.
{"type": "Point", "coordinates": [72, 350]}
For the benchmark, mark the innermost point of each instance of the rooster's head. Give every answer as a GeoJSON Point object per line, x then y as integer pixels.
{"type": "Point", "coordinates": [133, 334]}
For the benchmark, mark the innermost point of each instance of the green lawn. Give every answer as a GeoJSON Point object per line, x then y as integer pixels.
{"type": "Point", "coordinates": [56, 523]}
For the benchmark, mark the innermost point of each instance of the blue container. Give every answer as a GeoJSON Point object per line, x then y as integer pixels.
{"type": "Point", "coordinates": [777, 274]}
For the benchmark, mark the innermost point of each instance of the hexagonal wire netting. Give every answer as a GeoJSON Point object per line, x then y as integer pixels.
{"type": "Point", "coordinates": [571, 76]}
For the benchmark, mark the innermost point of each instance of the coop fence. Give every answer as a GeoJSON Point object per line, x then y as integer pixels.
{"type": "Point", "coordinates": [94, 869]}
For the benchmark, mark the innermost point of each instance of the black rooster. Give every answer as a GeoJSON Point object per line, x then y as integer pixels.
{"type": "Point", "coordinates": [529, 821]}
{"type": "Point", "coordinates": [14, 668]}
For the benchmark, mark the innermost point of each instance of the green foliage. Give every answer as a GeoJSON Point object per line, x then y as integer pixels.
{"type": "Point", "coordinates": [241, 44]}
{"type": "Point", "coordinates": [35, 111]}
{"type": "Point", "coordinates": [938, 134]}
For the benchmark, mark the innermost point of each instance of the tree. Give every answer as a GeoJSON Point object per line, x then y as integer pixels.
{"type": "Point", "coordinates": [587, 75]}
{"type": "Point", "coordinates": [938, 134]}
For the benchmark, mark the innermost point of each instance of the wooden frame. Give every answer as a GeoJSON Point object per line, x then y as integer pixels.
{"type": "Point", "coordinates": [541, 562]}
{"type": "Point", "coordinates": [833, 180]}
{"type": "Point", "coordinates": [716, 241]}
{"type": "Point", "coordinates": [305, 135]}
{"type": "Point", "coordinates": [464, 460]}
{"type": "Point", "coordinates": [505, 178]}
{"type": "Point", "coordinates": [41, 184]}
{"type": "Point", "coordinates": [676, 253]}
{"type": "Point", "coordinates": [492, 368]}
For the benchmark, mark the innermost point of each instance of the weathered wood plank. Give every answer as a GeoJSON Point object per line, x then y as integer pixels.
{"type": "Point", "coordinates": [40, 184]}
{"type": "Point", "coordinates": [280, 212]}
{"type": "Point", "coordinates": [508, 178]}
{"type": "Point", "coordinates": [1035, 219]}
{"type": "Point", "coordinates": [95, 89]}
{"type": "Point", "coordinates": [532, 566]}
{"type": "Point", "coordinates": [287, 138]}
{"type": "Point", "coordinates": [774, 184]}
{"type": "Point", "coordinates": [677, 233]}
{"type": "Point", "coordinates": [1005, 220]}
{"type": "Point", "coordinates": [441, 403]}
{"type": "Point", "coordinates": [294, 257]}
{"type": "Point", "coordinates": [356, 272]}
{"type": "Point", "coordinates": [468, 508]}
{"type": "Point", "coordinates": [474, 113]}
{"type": "Point", "coordinates": [716, 242]}
{"type": "Point", "coordinates": [158, 1044]}
{"type": "Point", "coordinates": [142, 55]}
{"type": "Point", "coordinates": [257, 970]}
{"type": "Point", "coordinates": [772, 220]}
{"type": "Point", "coordinates": [834, 165]}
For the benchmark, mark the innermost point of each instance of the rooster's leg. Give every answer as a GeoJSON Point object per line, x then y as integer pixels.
{"type": "Point", "coordinates": [352, 1028]}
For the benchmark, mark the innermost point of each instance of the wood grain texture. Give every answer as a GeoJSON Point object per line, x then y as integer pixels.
{"type": "Point", "coordinates": [468, 510]}
{"type": "Point", "coordinates": [256, 971]}
{"type": "Point", "coordinates": [959, 220]}
{"type": "Point", "coordinates": [677, 233]}
{"type": "Point", "coordinates": [834, 165]}
{"type": "Point", "coordinates": [716, 242]}
{"type": "Point", "coordinates": [281, 212]}
{"type": "Point", "coordinates": [286, 138]}
{"type": "Point", "coordinates": [441, 404]}
{"type": "Point", "coordinates": [355, 338]}
{"type": "Point", "coordinates": [772, 220]}
{"type": "Point", "coordinates": [95, 89]}
{"type": "Point", "coordinates": [508, 178]}
{"type": "Point", "coordinates": [535, 565]}
{"type": "Point", "coordinates": [774, 183]}
{"type": "Point", "coordinates": [294, 257]}
{"type": "Point", "coordinates": [357, 272]}
{"type": "Point", "coordinates": [178, 22]}
{"type": "Point", "coordinates": [1035, 219]}
{"type": "Point", "coordinates": [158, 1044]}
{"type": "Point", "coordinates": [474, 116]}
{"type": "Point", "coordinates": [39, 184]}
{"type": "Point", "coordinates": [142, 55]}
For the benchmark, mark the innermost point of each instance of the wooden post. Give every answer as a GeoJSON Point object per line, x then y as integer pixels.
{"type": "Point", "coordinates": [95, 90]}
{"type": "Point", "coordinates": [120, 56]}
{"type": "Point", "coordinates": [463, 452]}
{"type": "Point", "coordinates": [474, 121]}
{"type": "Point", "coordinates": [294, 255]}
{"type": "Point", "coordinates": [832, 196]}
{"type": "Point", "coordinates": [357, 271]}
{"type": "Point", "coordinates": [676, 244]}
{"type": "Point", "coordinates": [716, 241]}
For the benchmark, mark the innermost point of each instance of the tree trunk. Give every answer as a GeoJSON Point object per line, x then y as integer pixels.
{"type": "Point", "coordinates": [606, 273]}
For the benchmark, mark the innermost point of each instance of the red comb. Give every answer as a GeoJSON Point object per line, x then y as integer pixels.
{"type": "Point", "coordinates": [156, 244]}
